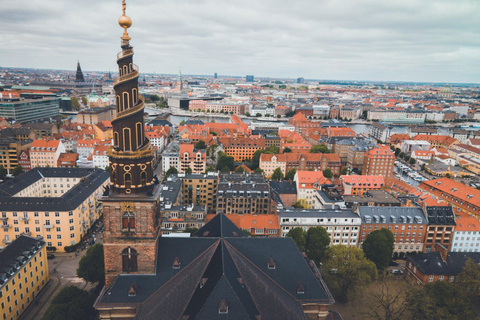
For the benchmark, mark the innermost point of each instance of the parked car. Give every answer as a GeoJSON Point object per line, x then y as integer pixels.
{"type": "Point", "coordinates": [396, 271]}
{"type": "Point", "coordinates": [50, 256]}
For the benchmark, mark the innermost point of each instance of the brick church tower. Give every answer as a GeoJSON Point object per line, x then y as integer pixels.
{"type": "Point", "coordinates": [130, 205]}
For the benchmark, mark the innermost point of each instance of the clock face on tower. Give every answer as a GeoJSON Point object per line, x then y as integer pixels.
{"type": "Point", "coordinates": [127, 206]}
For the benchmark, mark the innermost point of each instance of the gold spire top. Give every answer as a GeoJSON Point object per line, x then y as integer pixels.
{"type": "Point", "coordinates": [125, 22]}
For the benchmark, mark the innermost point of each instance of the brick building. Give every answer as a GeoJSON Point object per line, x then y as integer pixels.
{"type": "Point", "coordinates": [241, 148]}
{"type": "Point", "coordinates": [200, 189]}
{"type": "Point", "coordinates": [440, 228]}
{"type": "Point", "coordinates": [303, 161]}
{"type": "Point", "coordinates": [379, 161]}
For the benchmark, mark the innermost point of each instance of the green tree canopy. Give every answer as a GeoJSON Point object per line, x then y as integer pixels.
{"type": "Point", "coordinates": [412, 161]}
{"type": "Point", "coordinates": [378, 247]}
{"type": "Point", "coordinates": [200, 145]}
{"type": "Point", "coordinates": [287, 150]}
{"type": "Point", "coordinates": [301, 204]}
{"type": "Point", "coordinates": [188, 170]}
{"type": "Point", "coordinates": [209, 169]}
{"type": "Point", "coordinates": [75, 103]}
{"type": "Point", "coordinates": [346, 270]}
{"type": "Point", "coordinates": [317, 243]}
{"type": "Point", "coordinates": [3, 172]}
{"type": "Point", "coordinates": [440, 300]}
{"type": "Point", "coordinates": [299, 236]}
{"type": "Point", "coordinates": [277, 174]}
{"type": "Point", "coordinates": [291, 174]}
{"type": "Point", "coordinates": [170, 171]}
{"type": "Point", "coordinates": [71, 303]}
{"type": "Point", "coordinates": [239, 169]}
{"type": "Point", "coordinates": [181, 123]}
{"type": "Point", "coordinates": [344, 171]}
{"type": "Point", "coordinates": [320, 148]}
{"type": "Point", "coordinates": [190, 230]}
{"type": "Point", "coordinates": [327, 173]}
{"type": "Point", "coordinates": [469, 278]}
{"type": "Point", "coordinates": [225, 161]}
{"type": "Point", "coordinates": [256, 157]}
{"type": "Point", "coordinates": [91, 267]}
{"type": "Point", "coordinates": [18, 170]}
{"type": "Point", "coordinates": [258, 170]}
{"type": "Point", "coordinates": [84, 101]}
{"type": "Point", "coordinates": [273, 149]}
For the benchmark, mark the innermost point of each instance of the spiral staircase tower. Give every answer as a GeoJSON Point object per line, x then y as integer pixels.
{"type": "Point", "coordinates": [131, 157]}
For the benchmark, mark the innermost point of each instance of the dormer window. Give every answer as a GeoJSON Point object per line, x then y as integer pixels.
{"type": "Point", "coordinates": [176, 263]}
{"type": "Point", "coordinates": [271, 264]}
{"type": "Point", "coordinates": [223, 307]}
{"type": "Point", "coordinates": [202, 282]}
{"type": "Point", "coordinates": [132, 291]}
{"type": "Point", "coordinates": [300, 288]}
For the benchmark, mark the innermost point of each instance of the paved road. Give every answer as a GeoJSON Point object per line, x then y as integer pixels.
{"type": "Point", "coordinates": [63, 273]}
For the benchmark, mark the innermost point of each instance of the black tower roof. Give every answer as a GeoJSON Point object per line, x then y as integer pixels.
{"type": "Point", "coordinates": [79, 76]}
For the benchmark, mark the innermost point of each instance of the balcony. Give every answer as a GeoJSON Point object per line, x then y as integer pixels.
{"type": "Point", "coordinates": [6, 241]}
{"type": "Point", "coordinates": [128, 230]}
{"type": "Point", "coordinates": [48, 226]}
{"type": "Point", "coordinates": [4, 218]}
{"type": "Point", "coordinates": [26, 233]}
{"type": "Point", "coordinates": [6, 225]}
{"type": "Point", "coordinates": [25, 219]}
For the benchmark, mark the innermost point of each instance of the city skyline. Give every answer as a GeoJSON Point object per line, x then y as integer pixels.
{"type": "Point", "coordinates": [341, 40]}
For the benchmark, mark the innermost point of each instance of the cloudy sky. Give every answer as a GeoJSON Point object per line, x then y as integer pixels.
{"type": "Point", "coordinates": [407, 40]}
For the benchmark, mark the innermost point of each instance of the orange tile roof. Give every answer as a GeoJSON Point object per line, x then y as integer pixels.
{"type": "Point", "coordinates": [88, 143]}
{"type": "Point", "coordinates": [421, 153]}
{"type": "Point", "coordinates": [186, 147]}
{"type": "Point", "coordinates": [100, 150]}
{"type": "Point", "coordinates": [359, 180]}
{"type": "Point", "coordinates": [67, 157]}
{"type": "Point", "coordinates": [432, 201]}
{"type": "Point", "coordinates": [40, 143]}
{"type": "Point", "coordinates": [251, 221]}
{"type": "Point", "coordinates": [466, 222]}
{"type": "Point", "coordinates": [454, 188]}
{"type": "Point", "coordinates": [310, 178]}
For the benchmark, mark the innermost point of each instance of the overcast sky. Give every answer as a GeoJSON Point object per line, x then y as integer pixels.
{"type": "Point", "coordinates": [408, 40]}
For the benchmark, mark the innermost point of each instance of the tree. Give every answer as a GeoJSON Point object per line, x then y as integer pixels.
{"type": "Point", "coordinates": [247, 233]}
{"type": "Point", "coordinates": [412, 161]}
{"type": "Point", "coordinates": [317, 243]}
{"type": "Point", "coordinates": [347, 269]}
{"type": "Point", "coordinates": [200, 145]}
{"type": "Point", "coordinates": [84, 101]}
{"type": "Point", "coordinates": [190, 230]}
{"type": "Point", "coordinates": [385, 299]}
{"type": "Point", "coordinates": [210, 169]}
{"type": "Point", "coordinates": [256, 157]}
{"type": "Point", "coordinates": [225, 161]}
{"type": "Point", "coordinates": [258, 115]}
{"type": "Point", "coordinates": [91, 267]}
{"type": "Point", "coordinates": [258, 170]}
{"type": "Point", "coordinates": [239, 169]}
{"type": "Point", "coordinates": [327, 173]}
{"type": "Point", "coordinates": [397, 152]}
{"type": "Point", "coordinates": [401, 155]}
{"type": "Point", "coordinates": [273, 149]}
{"type": "Point", "coordinates": [301, 204]}
{"type": "Point", "coordinates": [75, 103]}
{"type": "Point", "coordinates": [320, 148]}
{"type": "Point", "coordinates": [277, 174]}
{"type": "Point", "coordinates": [287, 150]}
{"type": "Point", "coordinates": [299, 237]}
{"type": "Point", "coordinates": [181, 123]}
{"type": "Point", "coordinates": [71, 303]}
{"type": "Point", "coordinates": [344, 171]}
{"type": "Point", "coordinates": [170, 171]}
{"type": "Point", "coordinates": [440, 300]}
{"type": "Point", "coordinates": [188, 170]}
{"type": "Point", "coordinates": [247, 114]}
{"type": "Point", "coordinates": [469, 278]}
{"type": "Point", "coordinates": [18, 170]}
{"type": "Point", "coordinates": [290, 174]}
{"type": "Point", "coordinates": [378, 247]}
{"type": "Point", "coordinates": [3, 172]}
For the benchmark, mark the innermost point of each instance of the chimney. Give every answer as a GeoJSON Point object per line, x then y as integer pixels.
{"type": "Point", "coordinates": [442, 250]}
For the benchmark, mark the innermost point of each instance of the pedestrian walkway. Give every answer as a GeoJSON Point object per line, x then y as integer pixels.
{"type": "Point", "coordinates": [39, 306]}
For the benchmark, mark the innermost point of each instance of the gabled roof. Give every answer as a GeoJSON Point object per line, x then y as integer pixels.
{"type": "Point", "coordinates": [432, 263]}
{"type": "Point", "coordinates": [219, 226]}
{"type": "Point", "coordinates": [9, 255]}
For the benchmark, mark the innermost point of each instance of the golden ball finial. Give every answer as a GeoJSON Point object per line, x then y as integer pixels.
{"type": "Point", "coordinates": [125, 22]}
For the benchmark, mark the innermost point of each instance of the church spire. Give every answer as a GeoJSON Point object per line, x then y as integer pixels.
{"type": "Point", "coordinates": [125, 22]}
{"type": "Point", "coordinates": [79, 76]}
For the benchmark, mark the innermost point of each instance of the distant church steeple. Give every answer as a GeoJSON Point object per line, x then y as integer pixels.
{"type": "Point", "coordinates": [179, 81]}
{"type": "Point", "coordinates": [79, 77]}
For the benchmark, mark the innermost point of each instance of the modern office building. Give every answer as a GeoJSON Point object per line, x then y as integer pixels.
{"type": "Point", "coordinates": [29, 110]}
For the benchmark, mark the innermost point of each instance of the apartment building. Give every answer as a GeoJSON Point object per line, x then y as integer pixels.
{"type": "Point", "coordinates": [175, 219]}
{"type": "Point", "coordinates": [58, 204]}
{"type": "Point", "coordinates": [380, 131]}
{"type": "Point", "coordinates": [440, 228]}
{"type": "Point", "coordinates": [100, 157]}
{"type": "Point", "coordinates": [460, 196]}
{"type": "Point", "coordinates": [286, 190]}
{"type": "Point", "coordinates": [45, 153]}
{"type": "Point", "coordinates": [307, 183]}
{"type": "Point", "coordinates": [189, 157]}
{"type": "Point", "coordinates": [243, 194]}
{"type": "Point", "coordinates": [302, 161]}
{"type": "Point", "coordinates": [408, 225]}
{"type": "Point", "coordinates": [24, 274]}
{"type": "Point", "coordinates": [10, 150]}
{"type": "Point", "coordinates": [241, 148]}
{"type": "Point", "coordinates": [200, 189]}
{"type": "Point", "coordinates": [359, 184]}
{"type": "Point", "coordinates": [466, 236]}
{"type": "Point", "coordinates": [343, 226]}
{"type": "Point", "coordinates": [379, 161]}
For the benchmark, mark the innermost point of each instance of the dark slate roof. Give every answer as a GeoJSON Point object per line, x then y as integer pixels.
{"type": "Point", "coordinates": [220, 267]}
{"type": "Point", "coordinates": [432, 263]}
{"type": "Point", "coordinates": [219, 226]}
{"type": "Point", "coordinates": [440, 215]}
{"type": "Point", "coordinates": [284, 187]}
{"type": "Point", "coordinates": [193, 122]}
{"type": "Point", "coordinates": [10, 254]}
{"type": "Point", "coordinates": [159, 122]}
{"type": "Point", "coordinates": [393, 215]}
{"type": "Point", "coordinates": [93, 179]}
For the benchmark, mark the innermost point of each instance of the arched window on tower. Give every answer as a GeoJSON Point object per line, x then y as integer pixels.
{"type": "Point", "coordinates": [128, 222]}
{"type": "Point", "coordinates": [128, 180]}
{"type": "Point", "coordinates": [127, 139]}
{"type": "Point", "coordinates": [126, 101]}
{"type": "Point", "coordinates": [143, 178]}
{"type": "Point", "coordinates": [118, 103]}
{"type": "Point", "coordinates": [120, 72]}
{"type": "Point", "coordinates": [115, 139]}
{"type": "Point", "coordinates": [129, 260]}
{"type": "Point", "coordinates": [139, 134]}
{"type": "Point", "coordinates": [134, 96]}
{"type": "Point", "coordinates": [125, 70]}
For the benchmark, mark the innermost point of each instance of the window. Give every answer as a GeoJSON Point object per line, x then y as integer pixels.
{"type": "Point", "coordinates": [430, 278]}
{"type": "Point", "coordinates": [128, 222]}
{"type": "Point", "coordinates": [129, 260]}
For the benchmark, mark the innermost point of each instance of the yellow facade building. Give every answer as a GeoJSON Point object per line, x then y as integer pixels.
{"type": "Point", "coordinates": [23, 274]}
{"type": "Point", "coordinates": [58, 204]}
